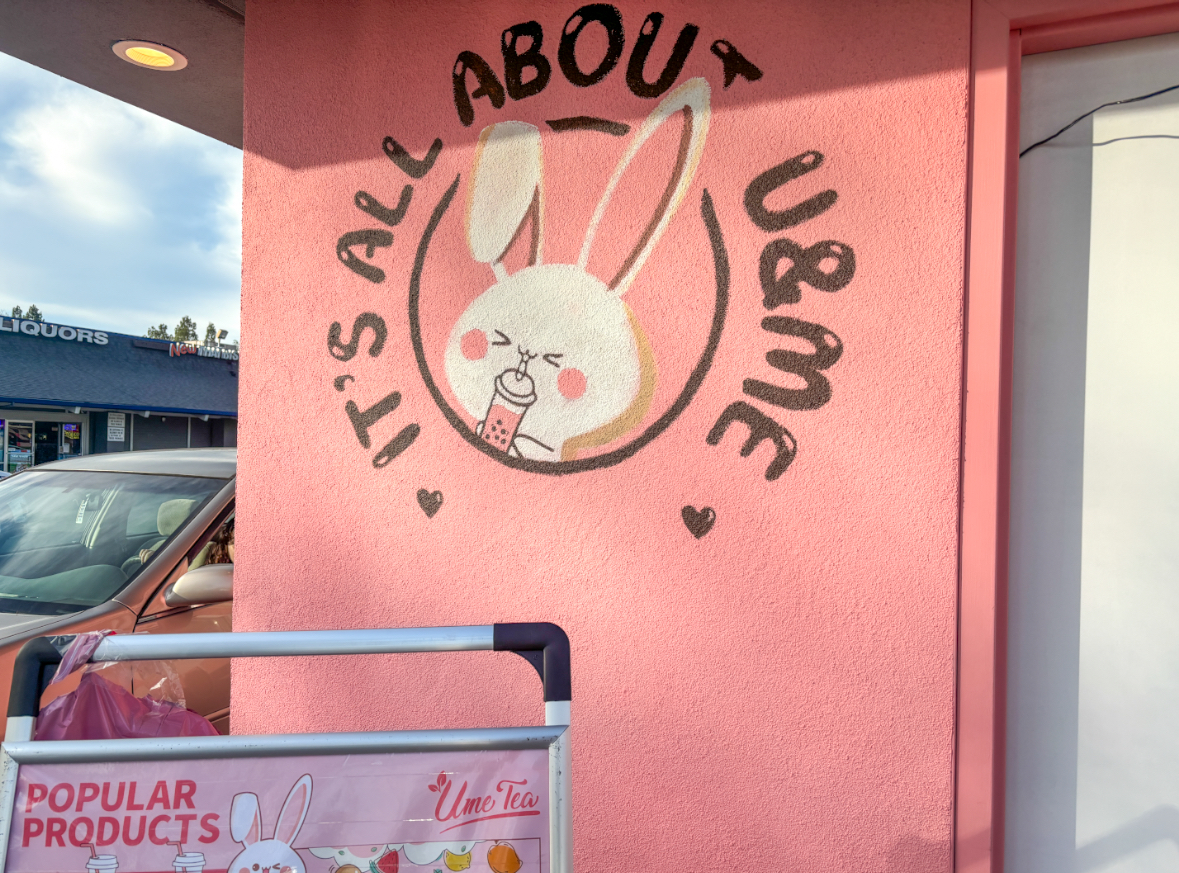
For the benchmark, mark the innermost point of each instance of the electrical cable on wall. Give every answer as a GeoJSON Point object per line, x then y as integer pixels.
{"type": "Point", "coordinates": [1081, 118]}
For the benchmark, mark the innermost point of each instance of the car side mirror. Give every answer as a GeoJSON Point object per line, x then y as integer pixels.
{"type": "Point", "coordinates": [212, 583]}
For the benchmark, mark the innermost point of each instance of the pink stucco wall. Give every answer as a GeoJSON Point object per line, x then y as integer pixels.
{"type": "Point", "coordinates": [776, 693]}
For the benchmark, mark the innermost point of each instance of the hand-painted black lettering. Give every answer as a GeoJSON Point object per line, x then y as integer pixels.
{"type": "Point", "coordinates": [363, 420]}
{"type": "Point", "coordinates": [397, 445]}
{"type": "Point", "coordinates": [806, 265]}
{"type": "Point", "coordinates": [675, 64]}
{"type": "Point", "coordinates": [378, 210]}
{"type": "Point", "coordinates": [773, 179]}
{"type": "Point", "coordinates": [761, 429]}
{"type": "Point", "coordinates": [347, 351]}
{"type": "Point", "coordinates": [371, 240]}
{"type": "Point", "coordinates": [589, 122]}
{"type": "Point", "coordinates": [610, 18]}
{"type": "Point", "coordinates": [407, 163]}
{"type": "Point", "coordinates": [515, 62]}
{"type": "Point", "coordinates": [489, 86]}
{"type": "Point", "coordinates": [736, 64]}
{"type": "Point", "coordinates": [341, 382]}
{"type": "Point", "coordinates": [828, 349]}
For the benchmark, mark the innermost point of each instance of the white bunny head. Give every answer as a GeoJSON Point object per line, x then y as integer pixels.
{"type": "Point", "coordinates": [275, 855]}
{"type": "Point", "coordinates": [550, 359]}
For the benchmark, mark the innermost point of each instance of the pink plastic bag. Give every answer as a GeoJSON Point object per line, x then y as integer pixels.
{"type": "Point", "coordinates": [101, 710]}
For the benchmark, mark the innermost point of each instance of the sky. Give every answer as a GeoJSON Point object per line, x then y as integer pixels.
{"type": "Point", "coordinates": [111, 217]}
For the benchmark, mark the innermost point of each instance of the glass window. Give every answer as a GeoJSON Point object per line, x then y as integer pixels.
{"type": "Point", "coordinates": [20, 446]}
{"type": "Point", "coordinates": [71, 439]}
{"type": "Point", "coordinates": [70, 540]}
{"type": "Point", "coordinates": [219, 549]}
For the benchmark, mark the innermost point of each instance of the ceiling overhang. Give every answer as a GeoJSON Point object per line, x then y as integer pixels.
{"type": "Point", "coordinates": [73, 38]}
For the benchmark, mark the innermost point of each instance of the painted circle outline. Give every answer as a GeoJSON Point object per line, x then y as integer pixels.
{"type": "Point", "coordinates": [656, 428]}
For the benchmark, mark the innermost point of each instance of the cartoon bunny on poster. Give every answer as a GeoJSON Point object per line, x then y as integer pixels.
{"type": "Point", "coordinates": [273, 855]}
{"type": "Point", "coordinates": [550, 360]}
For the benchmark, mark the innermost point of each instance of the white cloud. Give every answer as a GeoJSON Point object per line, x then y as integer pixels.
{"type": "Point", "coordinates": [115, 218]}
{"type": "Point", "coordinates": [69, 148]}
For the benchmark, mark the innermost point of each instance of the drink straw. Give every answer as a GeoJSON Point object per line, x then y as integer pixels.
{"type": "Point", "coordinates": [93, 851]}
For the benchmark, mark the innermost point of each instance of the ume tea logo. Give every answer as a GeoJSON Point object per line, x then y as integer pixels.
{"type": "Point", "coordinates": [512, 799]}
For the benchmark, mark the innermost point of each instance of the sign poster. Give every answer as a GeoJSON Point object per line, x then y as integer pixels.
{"type": "Point", "coordinates": [116, 426]}
{"type": "Point", "coordinates": [483, 811]}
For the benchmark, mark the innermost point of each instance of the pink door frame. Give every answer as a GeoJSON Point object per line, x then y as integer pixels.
{"type": "Point", "coordinates": [1003, 31]}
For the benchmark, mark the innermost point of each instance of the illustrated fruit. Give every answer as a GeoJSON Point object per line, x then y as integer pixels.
{"type": "Point", "coordinates": [456, 862]}
{"type": "Point", "coordinates": [347, 868]}
{"type": "Point", "coordinates": [388, 863]}
{"type": "Point", "coordinates": [502, 858]}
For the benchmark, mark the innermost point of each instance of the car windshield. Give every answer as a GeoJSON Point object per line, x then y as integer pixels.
{"type": "Point", "coordinates": [70, 540]}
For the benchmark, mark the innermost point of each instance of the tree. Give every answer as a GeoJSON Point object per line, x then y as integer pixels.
{"type": "Point", "coordinates": [210, 334]}
{"type": "Point", "coordinates": [160, 332]}
{"type": "Point", "coordinates": [34, 314]}
{"type": "Point", "coordinates": [17, 312]}
{"type": "Point", "coordinates": [186, 330]}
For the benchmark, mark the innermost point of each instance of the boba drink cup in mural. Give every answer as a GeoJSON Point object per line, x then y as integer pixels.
{"type": "Point", "coordinates": [550, 360]}
{"type": "Point", "coordinates": [515, 392]}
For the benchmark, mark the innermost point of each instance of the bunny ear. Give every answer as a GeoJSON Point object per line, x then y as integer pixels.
{"type": "Point", "coordinates": [294, 811]}
{"type": "Point", "coordinates": [506, 190]}
{"type": "Point", "coordinates": [692, 99]}
{"type": "Point", "coordinates": [245, 822]}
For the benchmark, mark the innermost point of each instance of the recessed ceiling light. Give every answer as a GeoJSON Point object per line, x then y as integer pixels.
{"type": "Point", "coordinates": [152, 55]}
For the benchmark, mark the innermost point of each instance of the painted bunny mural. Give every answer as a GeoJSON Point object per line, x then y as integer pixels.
{"type": "Point", "coordinates": [273, 855]}
{"type": "Point", "coordinates": [550, 360]}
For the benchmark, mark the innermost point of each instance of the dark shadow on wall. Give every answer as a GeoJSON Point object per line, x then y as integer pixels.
{"type": "Point", "coordinates": [294, 67]}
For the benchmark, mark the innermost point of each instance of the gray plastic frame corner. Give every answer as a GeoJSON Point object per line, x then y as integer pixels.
{"type": "Point", "coordinates": [544, 645]}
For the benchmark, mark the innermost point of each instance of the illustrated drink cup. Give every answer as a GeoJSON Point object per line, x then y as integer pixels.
{"type": "Point", "coordinates": [514, 394]}
{"type": "Point", "coordinates": [189, 862]}
{"type": "Point", "coordinates": [102, 864]}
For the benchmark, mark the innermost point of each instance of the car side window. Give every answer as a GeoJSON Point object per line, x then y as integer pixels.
{"type": "Point", "coordinates": [219, 549]}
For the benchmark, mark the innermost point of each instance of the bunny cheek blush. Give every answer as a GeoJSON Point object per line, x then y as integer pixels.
{"type": "Point", "coordinates": [474, 345]}
{"type": "Point", "coordinates": [571, 383]}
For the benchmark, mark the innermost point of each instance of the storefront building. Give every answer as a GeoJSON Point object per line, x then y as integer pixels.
{"type": "Point", "coordinates": [760, 346]}
{"type": "Point", "coordinates": [67, 391]}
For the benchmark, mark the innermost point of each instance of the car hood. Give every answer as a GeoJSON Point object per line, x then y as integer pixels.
{"type": "Point", "coordinates": [14, 623]}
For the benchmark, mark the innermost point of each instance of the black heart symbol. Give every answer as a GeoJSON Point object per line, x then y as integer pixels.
{"type": "Point", "coordinates": [429, 501]}
{"type": "Point", "coordinates": [698, 521]}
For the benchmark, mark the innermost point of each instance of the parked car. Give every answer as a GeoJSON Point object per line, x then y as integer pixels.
{"type": "Point", "coordinates": [135, 542]}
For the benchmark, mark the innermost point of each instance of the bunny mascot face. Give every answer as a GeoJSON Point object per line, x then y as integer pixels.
{"type": "Point", "coordinates": [550, 360]}
{"type": "Point", "coordinates": [269, 856]}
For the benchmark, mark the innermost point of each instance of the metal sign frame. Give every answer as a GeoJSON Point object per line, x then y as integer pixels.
{"type": "Point", "coordinates": [543, 644]}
